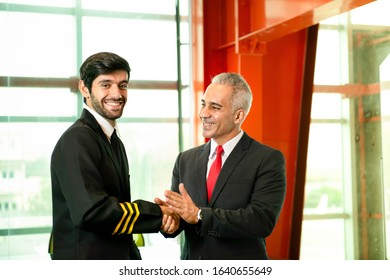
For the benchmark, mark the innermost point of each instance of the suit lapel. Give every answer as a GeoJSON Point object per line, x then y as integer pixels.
{"type": "Point", "coordinates": [91, 122]}
{"type": "Point", "coordinates": [201, 171]}
{"type": "Point", "coordinates": [119, 168]}
{"type": "Point", "coordinates": [239, 151]}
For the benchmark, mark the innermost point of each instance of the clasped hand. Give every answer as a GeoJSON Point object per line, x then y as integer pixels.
{"type": "Point", "coordinates": [170, 220]}
{"type": "Point", "coordinates": [181, 204]}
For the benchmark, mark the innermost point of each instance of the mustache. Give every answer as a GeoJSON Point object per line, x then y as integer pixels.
{"type": "Point", "coordinates": [120, 99]}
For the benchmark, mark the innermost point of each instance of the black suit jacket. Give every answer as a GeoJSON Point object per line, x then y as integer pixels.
{"type": "Point", "coordinates": [244, 206]}
{"type": "Point", "coordinates": [93, 217]}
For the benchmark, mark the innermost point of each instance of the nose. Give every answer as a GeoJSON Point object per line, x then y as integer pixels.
{"type": "Point", "coordinates": [116, 91]}
{"type": "Point", "coordinates": [203, 113]}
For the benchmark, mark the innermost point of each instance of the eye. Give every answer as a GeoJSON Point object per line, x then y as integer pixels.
{"type": "Point", "coordinates": [123, 86]}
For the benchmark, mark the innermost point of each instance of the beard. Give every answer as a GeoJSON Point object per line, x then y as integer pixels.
{"type": "Point", "coordinates": [107, 111]}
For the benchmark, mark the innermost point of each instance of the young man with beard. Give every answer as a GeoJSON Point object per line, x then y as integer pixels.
{"type": "Point", "coordinates": [93, 216]}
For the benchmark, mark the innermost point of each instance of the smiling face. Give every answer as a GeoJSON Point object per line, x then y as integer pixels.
{"type": "Point", "coordinates": [220, 121]}
{"type": "Point", "coordinates": [108, 94]}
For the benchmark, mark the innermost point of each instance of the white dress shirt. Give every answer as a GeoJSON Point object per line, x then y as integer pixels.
{"type": "Point", "coordinates": [107, 128]}
{"type": "Point", "coordinates": [227, 149]}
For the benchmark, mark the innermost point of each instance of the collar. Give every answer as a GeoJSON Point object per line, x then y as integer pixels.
{"type": "Point", "coordinates": [107, 128]}
{"type": "Point", "coordinates": [227, 147]}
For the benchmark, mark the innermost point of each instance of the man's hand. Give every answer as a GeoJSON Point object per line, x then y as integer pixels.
{"type": "Point", "coordinates": [182, 204]}
{"type": "Point", "coordinates": [170, 220]}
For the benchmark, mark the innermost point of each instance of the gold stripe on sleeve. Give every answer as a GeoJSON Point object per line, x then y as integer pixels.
{"type": "Point", "coordinates": [121, 221]}
{"type": "Point", "coordinates": [135, 218]}
{"type": "Point", "coordinates": [131, 211]}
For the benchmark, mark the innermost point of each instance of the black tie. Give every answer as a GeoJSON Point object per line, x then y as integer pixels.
{"type": "Point", "coordinates": [117, 147]}
{"type": "Point", "coordinates": [120, 154]}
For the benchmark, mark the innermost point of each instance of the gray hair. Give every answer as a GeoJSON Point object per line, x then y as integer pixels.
{"type": "Point", "coordinates": [242, 94]}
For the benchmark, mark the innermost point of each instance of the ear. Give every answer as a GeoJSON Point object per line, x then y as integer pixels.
{"type": "Point", "coordinates": [83, 89]}
{"type": "Point", "coordinates": [240, 115]}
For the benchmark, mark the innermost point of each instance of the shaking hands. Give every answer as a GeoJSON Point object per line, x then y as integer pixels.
{"type": "Point", "coordinates": [170, 220]}
{"type": "Point", "coordinates": [181, 205]}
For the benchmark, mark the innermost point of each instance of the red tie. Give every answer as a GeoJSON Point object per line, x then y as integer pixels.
{"type": "Point", "coordinates": [214, 172]}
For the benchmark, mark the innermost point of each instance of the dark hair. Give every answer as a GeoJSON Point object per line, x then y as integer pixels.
{"type": "Point", "coordinates": [100, 64]}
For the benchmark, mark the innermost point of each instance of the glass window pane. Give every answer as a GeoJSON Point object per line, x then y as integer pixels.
{"type": "Point", "coordinates": [151, 160]}
{"type": "Point", "coordinates": [26, 150]}
{"type": "Point", "coordinates": [37, 45]}
{"type": "Point", "coordinates": [385, 121]}
{"type": "Point", "coordinates": [151, 104]}
{"type": "Point", "coordinates": [374, 14]}
{"type": "Point", "coordinates": [327, 71]}
{"type": "Point", "coordinates": [386, 177]}
{"type": "Point", "coordinates": [37, 102]}
{"type": "Point", "coordinates": [324, 181]}
{"type": "Point", "coordinates": [56, 3]}
{"type": "Point", "coordinates": [185, 66]}
{"type": "Point", "coordinates": [25, 191]}
{"type": "Point", "coordinates": [326, 106]}
{"type": "Point", "coordinates": [149, 46]}
{"type": "Point", "coordinates": [156, 104]}
{"type": "Point", "coordinates": [24, 247]}
{"type": "Point", "coordinates": [187, 100]}
{"type": "Point", "coordinates": [184, 9]}
{"type": "Point", "coordinates": [322, 240]}
{"type": "Point", "coordinates": [166, 7]}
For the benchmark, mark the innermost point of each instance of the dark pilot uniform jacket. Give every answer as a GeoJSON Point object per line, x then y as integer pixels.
{"type": "Point", "coordinates": [93, 216]}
